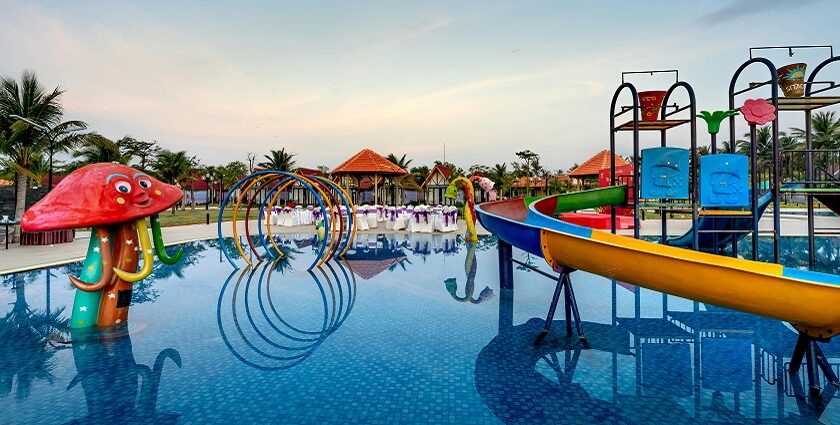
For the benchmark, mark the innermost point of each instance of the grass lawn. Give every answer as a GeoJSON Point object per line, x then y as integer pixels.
{"type": "Point", "coordinates": [197, 216]}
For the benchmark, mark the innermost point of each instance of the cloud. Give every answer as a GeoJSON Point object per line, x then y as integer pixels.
{"type": "Point", "coordinates": [742, 8]}
{"type": "Point", "coordinates": [413, 32]}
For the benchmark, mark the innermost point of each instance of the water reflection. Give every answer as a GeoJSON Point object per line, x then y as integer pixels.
{"type": "Point", "coordinates": [116, 388]}
{"type": "Point", "coordinates": [795, 249]}
{"type": "Point", "coordinates": [371, 255]}
{"type": "Point", "coordinates": [470, 268]}
{"type": "Point", "coordinates": [26, 355]}
{"type": "Point", "coordinates": [704, 365]}
{"type": "Point", "coordinates": [259, 332]}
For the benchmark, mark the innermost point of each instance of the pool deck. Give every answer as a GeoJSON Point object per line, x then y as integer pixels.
{"type": "Point", "coordinates": [19, 258]}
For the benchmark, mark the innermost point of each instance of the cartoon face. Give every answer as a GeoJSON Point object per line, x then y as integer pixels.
{"type": "Point", "coordinates": [666, 174]}
{"type": "Point", "coordinates": [725, 183]}
{"type": "Point", "coordinates": [100, 194]}
{"type": "Point", "coordinates": [136, 189]}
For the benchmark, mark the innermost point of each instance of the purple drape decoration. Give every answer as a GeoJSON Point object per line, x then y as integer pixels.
{"type": "Point", "coordinates": [316, 215]}
{"type": "Point", "coordinates": [392, 215]}
{"type": "Point", "coordinates": [449, 215]}
{"type": "Point", "coordinates": [425, 216]}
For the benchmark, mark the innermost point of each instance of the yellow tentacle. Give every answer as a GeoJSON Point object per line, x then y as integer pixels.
{"type": "Point", "coordinates": [146, 251]}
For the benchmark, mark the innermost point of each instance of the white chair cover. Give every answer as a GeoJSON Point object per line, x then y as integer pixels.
{"type": "Point", "coordinates": [361, 218]}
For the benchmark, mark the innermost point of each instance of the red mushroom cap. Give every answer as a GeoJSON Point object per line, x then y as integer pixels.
{"type": "Point", "coordinates": [97, 195]}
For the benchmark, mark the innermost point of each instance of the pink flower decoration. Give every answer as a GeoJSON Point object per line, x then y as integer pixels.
{"type": "Point", "coordinates": [758, 111]}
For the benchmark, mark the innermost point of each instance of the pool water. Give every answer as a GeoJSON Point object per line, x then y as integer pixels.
{"type": "Point", "coordinates": [408, 330]}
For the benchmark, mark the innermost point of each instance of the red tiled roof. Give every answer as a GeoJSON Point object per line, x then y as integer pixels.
{"type": "Point", "coordinates": [368, 161]}
{"type": "Point", "coordinates": [442, 169]}
{"type": "Point", "coordinates": [309, 172]}
{"type": "Point", "coordinates": [598, 162]}
{"type": "Point", "coordinates": [534, 182]}
{"type": "Point", "coordinates": [409, 184]}
{"type": "Point", "coordinates": [57, 178]}
{"type": "Point", "coordinates": [367, 269]}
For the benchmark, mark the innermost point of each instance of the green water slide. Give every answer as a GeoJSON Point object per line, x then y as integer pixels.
{"type": "Point", "coordinates": [592, 198]}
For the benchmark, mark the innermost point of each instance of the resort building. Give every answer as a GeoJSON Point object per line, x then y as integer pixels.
{"type": "Point", "coordinates": [586, 175]}
{"type": "Point", "coordinates": [529, 186]}
{"type": "Point", "coordinates": [369, 178]}
{"type": "Point", "coordinates": [435, 185]}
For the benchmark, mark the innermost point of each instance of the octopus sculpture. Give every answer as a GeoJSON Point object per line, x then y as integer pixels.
{"type": "Point", "coordinates": [113, 200]}
{"type": "Point", "coordinates": [469, 196]}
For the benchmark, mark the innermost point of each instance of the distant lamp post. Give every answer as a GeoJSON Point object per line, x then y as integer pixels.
{"type": "Point", "coordinates": [46, 130]}
{"type": "Point", "coordinates": [207, 182]}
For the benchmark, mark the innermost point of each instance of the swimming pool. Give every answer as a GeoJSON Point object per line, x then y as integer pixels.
{"type": "Point", "coordinates": [402, 332]}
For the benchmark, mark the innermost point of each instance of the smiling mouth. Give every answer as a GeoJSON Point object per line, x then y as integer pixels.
{"type": "Point", "coordinates": [144, 203]}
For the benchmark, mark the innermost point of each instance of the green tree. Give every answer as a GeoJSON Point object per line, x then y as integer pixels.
{"type": "Point", "coordinates": [825, 131]}
{"type": "Point", "coordinates": [418, 174]}
{"type": "Point", "coordinates": [22, 144]}
{"type": "Point", "coordinates": [500, 175]}
{"type": "Point", "coordinates": [764, 144]}
{"type": "Point", "coordinates": [142, 150]}
{"type": "Point", "coordinates": [278, 160]}
{"type": "Point", "coordinates": [479, 170]}
{"type": "Point", "coordinates": [401, 162]}
{"type": "Point", "coordinates": [232, 172]}
{"type": "Point", "coordinates": [95, 147]}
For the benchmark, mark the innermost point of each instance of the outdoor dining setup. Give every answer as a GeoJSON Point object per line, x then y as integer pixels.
{"type": "Point", "coordinates": [412, 219]}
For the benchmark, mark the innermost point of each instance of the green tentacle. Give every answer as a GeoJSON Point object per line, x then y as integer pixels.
{"type": "Point", "coordinates": [160, 249]}
{"type": "Point", "coordinates": [86, 304]}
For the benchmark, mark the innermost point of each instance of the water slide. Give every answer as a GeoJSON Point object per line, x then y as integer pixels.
{"type": "Point", "coordinates": [806, 299]}
{"type": "Point", "coordinates": [706, 240]}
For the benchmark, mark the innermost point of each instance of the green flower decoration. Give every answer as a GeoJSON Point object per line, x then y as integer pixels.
{"type": "Point", "coordinates": [797, 73]}
{"type": "Point", "coordinates": [714, 119]}
{"type": "Point", "coordinates": [451, 192]}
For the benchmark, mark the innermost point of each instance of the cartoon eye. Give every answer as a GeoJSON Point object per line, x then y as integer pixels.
{"type": "Point", "coordinates": [144, 183]}
{"type": "Point", "coordinates": [122, 186]}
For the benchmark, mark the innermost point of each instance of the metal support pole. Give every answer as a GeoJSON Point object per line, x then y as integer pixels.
{"type": "Point", "coordinates": [570, 304]}
{"type": "Point", "coordinates": [505, 265]}
{"type": "Point", "coordinates": [809, 177]}
{"type": "Point", "coordinates": [664, 218]}
{"type": "Point", "coordinates": [777, 202]}
{"type": "Point", "coordinates": [568, 299]}
{"type": "Point", "coordinates": [50, 183]}
{"type": "Point", "coordinates": [505, 309]}
{"type": "Point", "coordinates": [754, 191]}
{"type": "Point", "coordinates": [552, 309]}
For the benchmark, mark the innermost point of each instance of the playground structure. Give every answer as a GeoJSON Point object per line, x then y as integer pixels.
{"type": "Point", "coordinates": [262, 189]}
{"type": "Point", "coordinates": [725, 195]}
{"type": "Point", "coordinates": [113, 200]}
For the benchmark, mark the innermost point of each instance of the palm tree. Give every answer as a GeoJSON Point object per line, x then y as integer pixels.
{"type": "Point", "coordinates": [764, 144]}
{"type": "Point", "coordinates": [499, 174]}
{"type": "Point", "coordinates": [825, 131]}
{"type": "Point", "coordinates": [95, 147]}
{"type": "Point", "coordinates": [173, 167]}
{"type": "Point", "coordinates": [279, 160]}
{"type": "Point", "coordinates": [401, 162]}
{"type": "Point", "coordinates": [21, 143]}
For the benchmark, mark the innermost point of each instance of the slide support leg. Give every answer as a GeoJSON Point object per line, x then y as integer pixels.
{"type": "Point", "coordinates": [807, 349]}
{"type": "Point", "coordinates": [505, 265]}
{"type": "Point", "coordinates": [564, 281]}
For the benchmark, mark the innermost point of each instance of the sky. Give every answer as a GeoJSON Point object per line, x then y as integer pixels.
{"type": "Point", "coordinates": [325, 79]}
